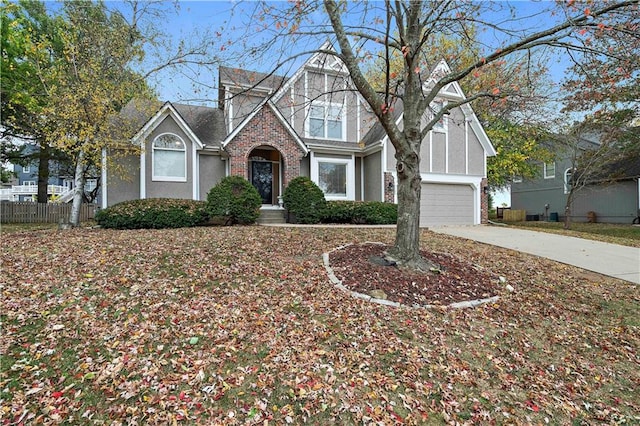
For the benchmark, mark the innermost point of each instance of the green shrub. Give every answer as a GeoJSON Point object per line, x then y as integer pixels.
{"type": "Point", "coordinates": [338, 212]}
{"type": "Point", "coordinates": [234, 197]}
{"type": "Point", "coordinates": [305, 200]}
{"type": "Point", "coordinates": [360, 212]}
{"type": "Point", "coordinates": [375, 213]}
{"type": "Point", "coordinates": [153, 213]}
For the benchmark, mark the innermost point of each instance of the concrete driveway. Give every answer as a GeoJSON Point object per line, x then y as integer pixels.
{"type": "Point", "coordinates": [608, 259]}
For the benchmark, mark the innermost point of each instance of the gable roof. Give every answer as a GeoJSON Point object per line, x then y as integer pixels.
{"type": "Point", "coordinates": [203, 125]}
{"type": "Point", "coordinates": [265, 102]}
{"type": "Point", "coordinates": [207, 123]}
{"type": "Point", "coordinates": [250, 79]}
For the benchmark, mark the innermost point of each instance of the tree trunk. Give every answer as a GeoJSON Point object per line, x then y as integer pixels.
{"type": "Point", "coordinates": [567, 217]}
{"type": "Point", "coordinates": [44, 155]}
{"type": "Point", "coordinates": [406, 251]}
{"type": "Point", "coordinates": [78, 190]}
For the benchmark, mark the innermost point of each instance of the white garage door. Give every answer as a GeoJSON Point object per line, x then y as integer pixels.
{"type": "Point", "coordinates": [446, 204]}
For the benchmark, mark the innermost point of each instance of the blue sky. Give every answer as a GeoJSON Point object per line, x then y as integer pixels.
{"type": "Point", "coordinates": [196, 17]}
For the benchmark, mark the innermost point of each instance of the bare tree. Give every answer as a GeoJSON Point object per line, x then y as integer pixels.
{"type": "Point", "coordinates": [408, 29]}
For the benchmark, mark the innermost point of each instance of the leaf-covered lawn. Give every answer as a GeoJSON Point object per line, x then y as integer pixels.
{"type": "Point", "coordinates": [242, 326]}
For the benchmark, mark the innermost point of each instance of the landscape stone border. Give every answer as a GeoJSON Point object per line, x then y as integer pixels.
{"type": "Point", "coordinates": [338, 284]}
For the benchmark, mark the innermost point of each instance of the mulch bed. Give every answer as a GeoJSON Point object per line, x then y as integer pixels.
{"type": "Point", "coordinates": [355, 265]}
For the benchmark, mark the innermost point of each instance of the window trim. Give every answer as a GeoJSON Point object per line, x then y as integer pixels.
{"type": "Point", "coordinates": [159, 178]}
{"type": "Point", "coordinates": [567, 185]}
{"type": "Point", "coordinates": [545, 170]}
{"type": "Point", "coordinates": [441, 125]}
{"type": "Point", "coordinates": [350, 175]}
{"type": "Point", "coordinates": [326, 106]}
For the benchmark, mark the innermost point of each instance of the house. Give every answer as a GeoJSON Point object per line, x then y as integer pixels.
{"type": "Point", "coordinates": [24, 187]}
{"type": "Point", "coordinates": [270, 129]}
{"type": "Point", "coordinates": [615, 199]}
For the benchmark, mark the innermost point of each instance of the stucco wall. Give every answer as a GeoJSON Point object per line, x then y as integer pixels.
{"type": "Point", "coordinates": [123, 179]}
{"type": "Point", "coordinates": [164, 189]}
{"type": "Point", "coordinates": [212, 170]}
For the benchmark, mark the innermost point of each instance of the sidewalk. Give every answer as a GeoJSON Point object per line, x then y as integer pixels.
{"type": "Point", "coordinates": [608, 259]}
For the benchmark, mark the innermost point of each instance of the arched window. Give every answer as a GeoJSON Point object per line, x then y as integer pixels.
{"type": "Point", "coordinates": [169, 158]}
{"type": "Point", "coordinates": [567, 180]}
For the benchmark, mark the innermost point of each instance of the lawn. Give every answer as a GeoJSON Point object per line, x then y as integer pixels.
{"type": "Point", "coordinates": [623, 234]}
{"type": "Point", "coordinates": [242, 326]}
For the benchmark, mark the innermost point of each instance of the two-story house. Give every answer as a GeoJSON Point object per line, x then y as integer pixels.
{"type": "Point", "coordinates": [608, 193]}
{"type": "Point", "coordinates": [270, 129]}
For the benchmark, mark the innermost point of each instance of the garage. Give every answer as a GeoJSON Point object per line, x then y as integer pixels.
{"type": "Point", "coordinates": [447, 204]}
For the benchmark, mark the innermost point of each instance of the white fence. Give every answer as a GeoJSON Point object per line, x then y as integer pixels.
{"type": "Point", "coordinates": [58, 192]}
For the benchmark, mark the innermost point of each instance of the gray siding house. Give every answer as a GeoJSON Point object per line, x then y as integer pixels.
{"type": "Point", "coordinates": [270, 129]}
{"type": "Point", "coordinates": [616, 201]}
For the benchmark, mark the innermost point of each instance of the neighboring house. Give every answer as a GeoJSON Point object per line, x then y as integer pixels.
{"type": "Point", "coordinates": [270, 129]}
{"type": "Point", "coordinates": [25, 185]}
{"type": "Point", "coordinates": [615, 200]}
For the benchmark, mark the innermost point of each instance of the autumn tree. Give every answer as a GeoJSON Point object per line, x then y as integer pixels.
{"type": "Point", "coordinates": [29, 44]}
{"type": "Point", "coordinates": [408, 29]}
{"type": "Point", "coordinates": [516, 124]}
{"type": "Point", "coordinates": [90, 62]}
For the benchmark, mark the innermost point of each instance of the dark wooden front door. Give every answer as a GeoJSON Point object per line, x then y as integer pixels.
{"type": "Point", "coordinates": [262, 179]}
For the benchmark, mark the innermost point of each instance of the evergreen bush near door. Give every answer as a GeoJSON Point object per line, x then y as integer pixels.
{"type": "Point", "coordinates": [236, 199]}
{"type": "Point", "coordinates": [305, 200]}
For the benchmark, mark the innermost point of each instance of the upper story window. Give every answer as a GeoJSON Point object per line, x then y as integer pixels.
{"type": "Point", "coordinates": [326, 121]}
{"type": "Point", "coordinates": [169, 158]}
{"type": "Point", "coordinates": [26, 169]}
{"type": "Point", "coordinates": [516, 179]}
{"type": "Point", "coordinates": [440, 125]}
{"type": "Point", "coordinates": [549, 170]}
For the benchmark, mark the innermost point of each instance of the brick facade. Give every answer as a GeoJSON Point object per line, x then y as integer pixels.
{"type": "Point", "coordinates": [265, 129]}
{"type": "Point", "coordinates": [484, 203]}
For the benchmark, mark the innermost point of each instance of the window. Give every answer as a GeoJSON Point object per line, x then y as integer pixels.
{"type": "Point", "coordinates": [26, 169]}
{"type": "Point", "coordinates": [568, 181]}
{"type": "Point", "coordinates": [325, 121]}
{"type": "Point", "coordinates": [436, 107]}
{"type": "Point", "coordinates": [332, 178]}
{"type": "Point", "coordinates": [517, 179]}
{"type": "Point", "coordinates": [169, 158]}
{"type": "Point", "coordinates": [90, 185]}
{"type": "Point", "coordinates": [549, 170]}
{"type": "Point", "coordinates": [30, 183]}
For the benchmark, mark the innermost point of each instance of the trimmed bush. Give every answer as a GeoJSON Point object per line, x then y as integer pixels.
{"type": "Point", "coordinates": [338, 212]}
{"type": "Point", "coordinates": [305, 200]}
{"type": "Point", "coordinates": [236, 199]}
{"type": "Point", "coordinates": [361, 212]}
{"type": "Point", "coordinates": [153, 213]}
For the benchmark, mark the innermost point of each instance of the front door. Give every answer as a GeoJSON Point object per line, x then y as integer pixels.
{"type": "Point", "coordinates": [262, 179]}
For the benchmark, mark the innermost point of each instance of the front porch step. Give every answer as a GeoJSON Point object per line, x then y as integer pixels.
{"type": "Point", "coordinates": [270, 216]}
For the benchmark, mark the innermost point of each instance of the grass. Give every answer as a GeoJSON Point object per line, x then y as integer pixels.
{"type": "Point", "coordinates": [627, 235]}
{"type": "Point", "coordinates": [98, 328]}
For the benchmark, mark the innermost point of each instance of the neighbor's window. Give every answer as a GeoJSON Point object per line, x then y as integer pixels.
{"type": "Point", "coordinates": [325, 121]}
{"type": "Point", "coordinates": [549, 170]}
{"type": "Point", "coordinates": [26, 169]}
{"type": "Point", "coordinates": [436, 107]}
{"type": "Point", "coordinates": [169, 158]}
{"type": "Point", "coordinates": [517, 179]}
{"type": "Point", "coordinates": [568, 174]}
{"type": "Point", "coordinates": [332, 178]}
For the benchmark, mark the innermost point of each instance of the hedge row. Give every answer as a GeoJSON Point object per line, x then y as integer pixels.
{"type": "Point", "coordinates": [154, 213]}
{"type": "Point", "coordinates": [360, 212]}
{"type": "Point", "coordinates": [237, 201]}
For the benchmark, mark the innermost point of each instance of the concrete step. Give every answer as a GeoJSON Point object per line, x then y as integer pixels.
{"type": "Point", "coordinates": [268, 216]}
